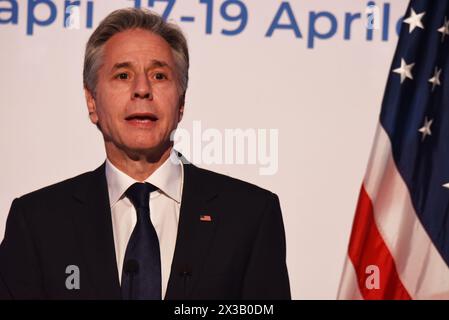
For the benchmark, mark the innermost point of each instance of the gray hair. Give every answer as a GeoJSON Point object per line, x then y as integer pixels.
{"type": "Point", "coordinates": [132, 18]}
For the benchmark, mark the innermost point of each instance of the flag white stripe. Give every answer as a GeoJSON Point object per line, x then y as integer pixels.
{"type": "Point", "coordinates": [349, 289]}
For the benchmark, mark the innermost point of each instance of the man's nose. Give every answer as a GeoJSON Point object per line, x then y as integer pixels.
{"type": "Point", "coordinates": [142, 88]}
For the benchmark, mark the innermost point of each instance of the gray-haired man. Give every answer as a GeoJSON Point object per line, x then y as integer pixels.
{"type": "Point", "coordinates": [146, 224]}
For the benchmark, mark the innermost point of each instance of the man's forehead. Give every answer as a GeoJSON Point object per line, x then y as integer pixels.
{"type": "Point", "coordinates": [137, 45]}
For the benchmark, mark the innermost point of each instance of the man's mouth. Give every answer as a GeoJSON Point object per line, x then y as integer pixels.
{"type": "Point", "coordinates": [139, 119]}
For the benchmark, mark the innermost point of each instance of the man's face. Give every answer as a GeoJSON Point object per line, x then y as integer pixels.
{"type": "Point", "coordinates": [137, 101]}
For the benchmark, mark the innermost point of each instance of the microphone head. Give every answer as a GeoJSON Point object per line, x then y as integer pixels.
{"type": "Point", "coordinates": [131, 266]}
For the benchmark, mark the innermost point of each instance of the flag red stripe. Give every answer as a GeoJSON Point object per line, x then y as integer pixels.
{"type": "Point", "coordinates": [366, 247]}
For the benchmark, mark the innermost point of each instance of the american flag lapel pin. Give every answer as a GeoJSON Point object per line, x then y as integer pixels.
{"type": "Point", "coordinates": [205, 218]}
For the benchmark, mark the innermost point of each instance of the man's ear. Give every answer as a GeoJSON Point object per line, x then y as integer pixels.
{"type": "Point", "coordinates": [181, 112]}
{"type": "Point", "coordinates": [181, 108]}
{"type": "Point", "coordinates": [91, 106]}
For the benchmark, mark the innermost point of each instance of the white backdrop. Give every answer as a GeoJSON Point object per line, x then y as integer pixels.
{"type": "Point", "coordinates": [324, 100]}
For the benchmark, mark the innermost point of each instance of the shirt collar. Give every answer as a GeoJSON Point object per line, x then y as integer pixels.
{"type": "Point", "coordinates": [168, 178]}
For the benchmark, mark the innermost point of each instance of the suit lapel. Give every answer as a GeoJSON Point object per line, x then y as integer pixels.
{"type": "Point", "coordinates": [194, 236]}
{"type": "Point", "coordinates": [94, 227]}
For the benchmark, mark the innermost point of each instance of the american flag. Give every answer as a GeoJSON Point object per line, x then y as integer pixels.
{"type": "Point", "coordinates": [206, 218]}
{"type": "Point", "coordinates": [399, 246]}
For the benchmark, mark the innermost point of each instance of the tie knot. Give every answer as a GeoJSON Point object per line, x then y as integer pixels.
{"type": "Point", "coordinates": [139, 194]}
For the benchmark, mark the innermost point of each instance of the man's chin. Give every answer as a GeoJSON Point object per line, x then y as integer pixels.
{"type": "Point", "coordinates": [150, 152]}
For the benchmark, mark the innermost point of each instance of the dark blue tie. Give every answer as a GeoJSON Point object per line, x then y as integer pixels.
{"type": "Point", "coordinates": [141, 275]}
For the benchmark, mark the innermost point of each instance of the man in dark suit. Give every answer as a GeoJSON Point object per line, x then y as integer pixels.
{"type": "Point", "coordinates": [146, 224]}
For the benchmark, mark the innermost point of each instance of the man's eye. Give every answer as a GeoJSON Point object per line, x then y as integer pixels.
{"type": "Point", "coordinates": [122, 76]}
{"type": "Point", "coordinates": [160, 76]}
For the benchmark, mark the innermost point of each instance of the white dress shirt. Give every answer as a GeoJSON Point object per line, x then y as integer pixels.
{"type": "Point", "coordinates": [165, 204]}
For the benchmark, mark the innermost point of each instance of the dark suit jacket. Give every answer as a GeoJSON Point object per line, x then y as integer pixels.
{"type": "Point", "coordinates": [240, 254]}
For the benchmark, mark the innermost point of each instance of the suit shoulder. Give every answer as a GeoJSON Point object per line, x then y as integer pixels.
{"type": "Point", "coordinates": [57, 189]}
{"type": "Point", "coordinates": [232, 184]}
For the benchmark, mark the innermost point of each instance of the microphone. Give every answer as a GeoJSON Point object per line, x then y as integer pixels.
{"type": "Point", "coordinates": [131, 269]}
